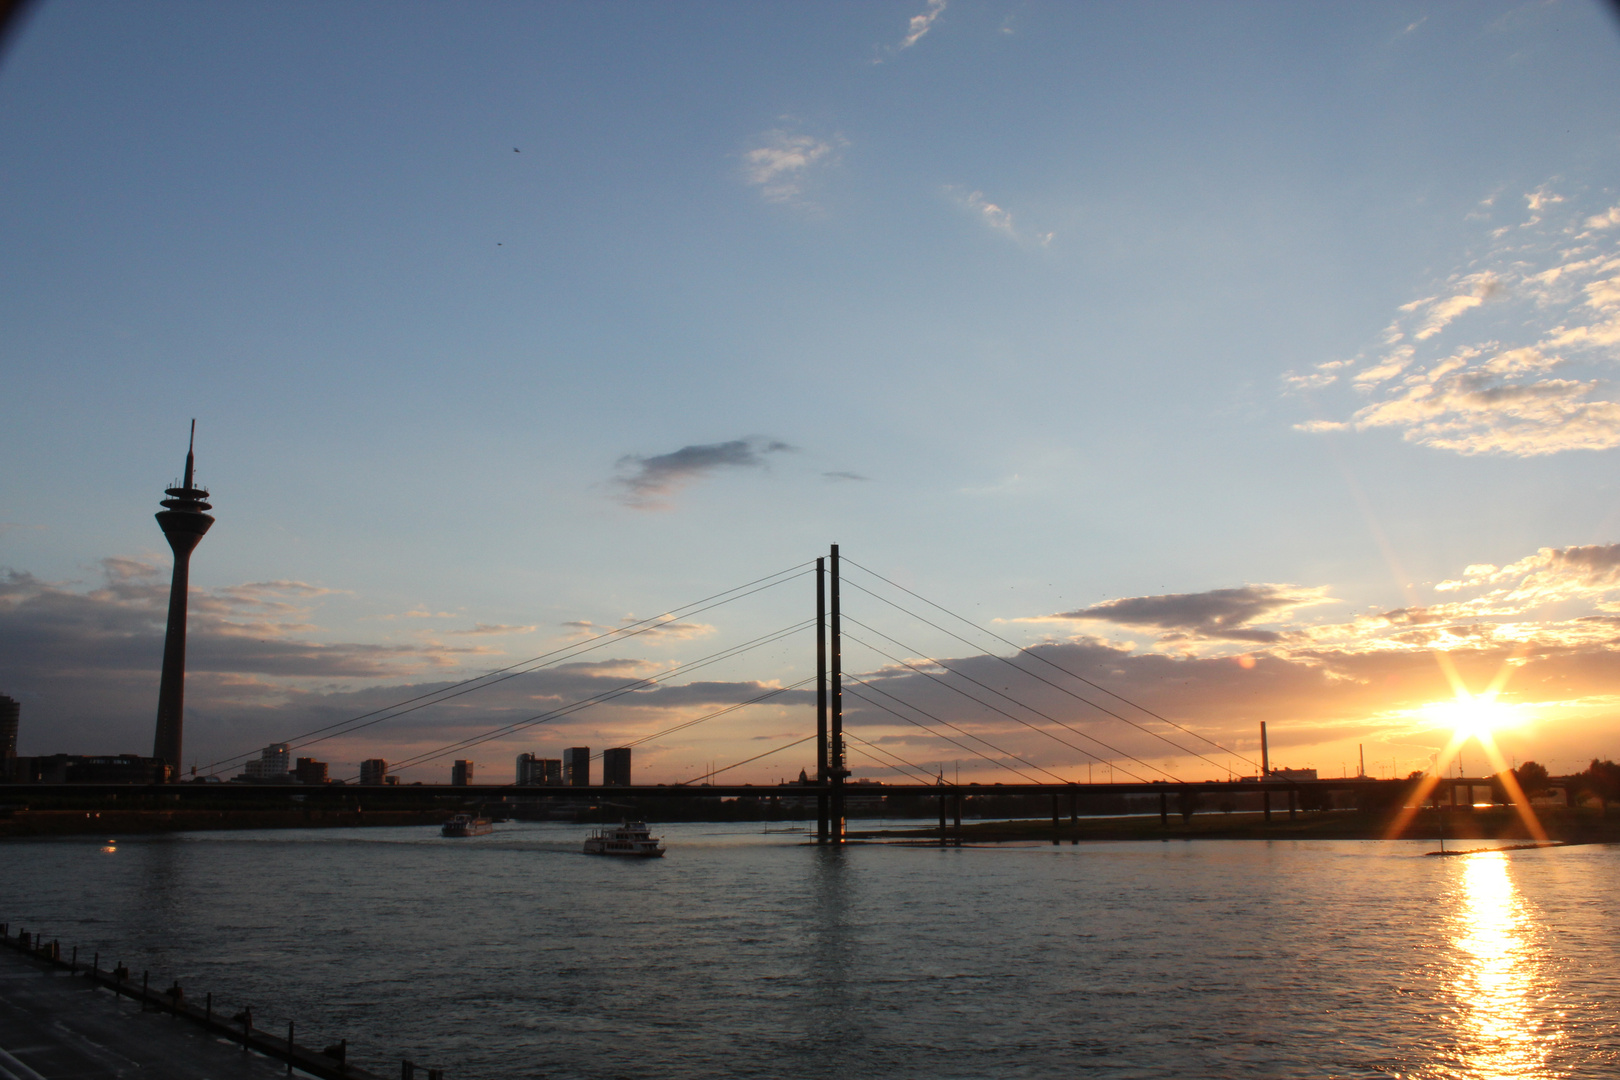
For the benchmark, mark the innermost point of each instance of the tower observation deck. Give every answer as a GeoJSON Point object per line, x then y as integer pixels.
{"type": "Point", "coordinates": [183, 522]}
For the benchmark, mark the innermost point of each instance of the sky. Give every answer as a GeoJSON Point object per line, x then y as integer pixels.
{"type": "Point", "coordinates": [1241, 362]}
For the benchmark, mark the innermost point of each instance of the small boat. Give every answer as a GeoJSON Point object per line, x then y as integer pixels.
{"type": "Point", "coordinates": [468, 825]}
{"type": "Point", "coordinates": [632, 839]}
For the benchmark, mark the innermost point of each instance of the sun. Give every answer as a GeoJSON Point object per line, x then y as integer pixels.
{"type": "Point", "coordinates": [1473, 717]}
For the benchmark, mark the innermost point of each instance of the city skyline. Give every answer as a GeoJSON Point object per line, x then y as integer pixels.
{"type": "Point", "coordinates": [1246, 359]}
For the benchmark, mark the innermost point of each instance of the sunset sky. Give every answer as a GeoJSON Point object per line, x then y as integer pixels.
{"type": "Point", "coordinates": [1243, 357]}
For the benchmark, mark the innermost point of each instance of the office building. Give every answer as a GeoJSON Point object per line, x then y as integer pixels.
{"type": "Point", "coordinates": [461, 773]}
{"type": "Point", "coordinates": [374, 771]}
{"type": "Point", "coordinates": [538, 770]}
{"type": "Point", "coordinates": [577, 766]}
{"type": "Point", "coordinates": [271, 768]}
{"type": "Point", "coordinates": [616, 766]}
{"type": "Point", "coordinates": [310, 771]}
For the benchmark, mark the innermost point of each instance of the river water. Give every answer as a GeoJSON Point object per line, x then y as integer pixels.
{"type": "Point", "coordinates": [746, 954]}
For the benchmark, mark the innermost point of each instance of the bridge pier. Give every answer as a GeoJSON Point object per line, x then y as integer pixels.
{"type": "Point", "coordinates": [1265, 803]}
{"type": "Point", "coordinates": [957, 802]}
{"type": "Point", "coordinates": [1164, 809]}
{"type": "Point", "coordinates": [1074, 809]}
{"type": "Point", "coordinates": [942, 819]}
{"type": "Point", "coordinates": [1054, 812]}
{"type": "Point", "coordinates": [1293, 805]}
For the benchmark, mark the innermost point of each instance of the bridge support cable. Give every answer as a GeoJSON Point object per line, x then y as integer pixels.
{"type": "Point", "coordinates": [630, 687]}
{"type": "Point", "coordinates": [955, 728]}
{"type": "Point", "coordinates": [1003, 712]}
{"type": "Point", "coordinates": [683, 725]}
{"type": "Point", "coordinates": [1031, 652]}
{"type": "Point", "coordinates": [748, 761]}
{"type": "Point", "coordinates": [873, 748]}
{"type": "Point", "coordinates": [534, 663]}
{"type": "Point", "coordinates": [1030, 674]}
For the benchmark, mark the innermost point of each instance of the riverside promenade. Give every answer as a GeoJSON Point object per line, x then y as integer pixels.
{"type": "Point", "coordinates": [56, 1025]}
{"type": "Point", "coordinates": [60, 1020]}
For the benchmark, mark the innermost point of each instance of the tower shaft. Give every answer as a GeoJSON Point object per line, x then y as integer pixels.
{"type": "Point", "coordinates": [183, 523]}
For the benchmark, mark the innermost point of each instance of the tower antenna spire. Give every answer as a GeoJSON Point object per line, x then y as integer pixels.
{"type": "Point", "coordinates": [190, 458]}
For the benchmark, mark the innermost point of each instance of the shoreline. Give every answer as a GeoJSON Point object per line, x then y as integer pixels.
{"type": "Point", "coordinates": [1566, 826]}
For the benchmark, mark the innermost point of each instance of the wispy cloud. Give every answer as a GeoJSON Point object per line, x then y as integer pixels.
{"type": "Point", "coordinates": [844, 476]}
{"type": "Point", "coordinates": [1510, 355]}
{"type": "Point", "coordinates": [668, 627]}
{"type": "Point", "coordinates": [648, 481]}
{"type": "Point", "coordinates": [491, 629]}
{"type": "Point", "coordinates": [784, 162]}
{"type": "Point", "coordinates": [921, 24]}
{"type": "Point", "coordinates": [996, 217]}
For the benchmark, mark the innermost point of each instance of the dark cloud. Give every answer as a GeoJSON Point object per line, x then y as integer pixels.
{"type": "Point", "coordinates": [844, 476]}
{"type": "Point", "coordinates": [1596, 562]}
{"type": "Point", "coordinates": [1219, 614]}
{"type": "Point", "coordinates": [649, 479]}
{"type": "Point", "coordinates": [85, 666]}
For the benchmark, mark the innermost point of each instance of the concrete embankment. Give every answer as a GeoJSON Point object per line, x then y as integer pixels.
{"type": "Point", "coordinates": [63, 1018]}
{"type": "Point", "coordinates": [53, 822]}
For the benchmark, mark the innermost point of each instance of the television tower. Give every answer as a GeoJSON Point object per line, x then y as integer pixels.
{"type": "Point", "coordinates": [183, 523]}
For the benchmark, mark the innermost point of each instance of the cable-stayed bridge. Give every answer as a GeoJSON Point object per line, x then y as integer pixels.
{"type": "Point", "coordinates": [1004, 693]}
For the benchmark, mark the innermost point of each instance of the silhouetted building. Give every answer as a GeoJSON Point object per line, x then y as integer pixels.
{"type": "Point", "coordinates": [374, 771]}
{"type": "Point", "coordinates": [538, 770]}
{"type": "Point", "coordinates": [310, 771]}
{"type": "Point", "coordinates": [577, 766]}
{"type": "Point", "coordinates": [89, 769]}
{"type": "Point", "coordinates": [10, 714]}
{"type": "Point", "coordinates": [271, 768]}
{"type": "Point", "coordinates": [616, 766]}
{"type": "Point", "coordinates": [183, 523]}
{"type": "Point", "coordinates": [461, 773]}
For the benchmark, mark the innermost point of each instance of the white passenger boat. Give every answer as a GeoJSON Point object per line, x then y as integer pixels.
{"type": "Point", "coordinates": [468, 825]}
{"type": "Point", "coordinates": [632, 839]}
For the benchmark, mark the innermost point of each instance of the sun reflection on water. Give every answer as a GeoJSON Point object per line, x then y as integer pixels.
{"type": "Point", "coordinates": [1499, 1033]}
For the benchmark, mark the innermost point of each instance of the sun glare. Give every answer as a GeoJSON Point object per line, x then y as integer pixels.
{"type": "Point", "coordinates": [1473, 717]}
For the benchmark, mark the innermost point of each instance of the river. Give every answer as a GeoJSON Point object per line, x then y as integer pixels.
{"type": "Point", "coordinates": [746, 954]}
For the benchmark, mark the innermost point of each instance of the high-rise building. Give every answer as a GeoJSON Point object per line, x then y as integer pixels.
{"type": "Point", "coordinates": [374, 771]}
{"type": "Point", "coordinates": [577, 766]}
{"type": "Point", "coordinates": [616, 766]}
{"type": "Point", "coordinates": [538, 770]}
{"type": "Point", "coordinates": [310, 771]}
{"type": "Point", "coordinates": [183, 523]}
{"type": "Point", "coordinates": [10, 714]}
{"type": "Point", "coordinates": [461, 773]}
{"type": "Point", "coordinates": [271, 766]}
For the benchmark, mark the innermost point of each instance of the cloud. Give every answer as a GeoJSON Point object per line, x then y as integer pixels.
{"type": "Point", "coordinates": [651, 479]}
{"type": "Point", "coordinates": [1511, 355]}
{"type": "Point", "coordinates": [844, 476]}
{"type": "Point", "coordinates": [667, 627]}
{"type": "Point", "coordinates": [921, 24]}
{"type": "Point", "coordinates": [995, 217]}
{"type": "Point", "coordinates": [482, 629]}
{"type": "Point", "coordinates": [1219, 614]}
{"type": "Point", "coordinates": [1608, 219]}
{"type": "Point", "coordinates": [782, 165]}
